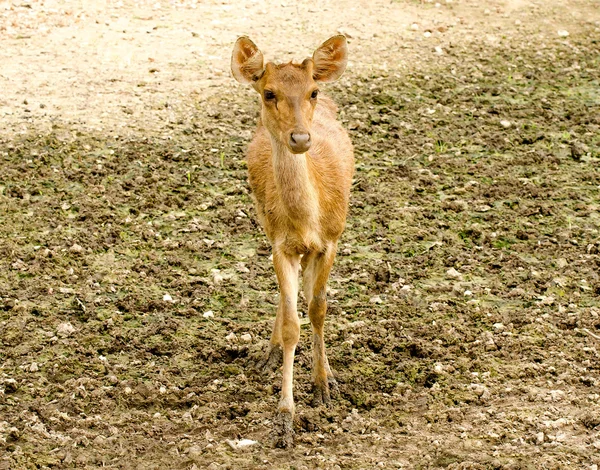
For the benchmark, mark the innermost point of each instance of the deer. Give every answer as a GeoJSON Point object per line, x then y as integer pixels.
{"type": "Point", "coordinates": [300, 168]}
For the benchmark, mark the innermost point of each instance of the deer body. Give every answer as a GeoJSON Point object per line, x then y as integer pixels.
{"type": "Point", "coordinates": [300, 166]}
{"type": "Point", "coordinates": [302, 200]}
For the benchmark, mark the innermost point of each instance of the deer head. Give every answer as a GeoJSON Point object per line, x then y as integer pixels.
{"type": "Point", "coordinates": [289, 92]}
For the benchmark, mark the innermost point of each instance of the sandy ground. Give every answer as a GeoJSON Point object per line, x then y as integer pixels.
{"type": "Point", "coordinates": [134, 65]}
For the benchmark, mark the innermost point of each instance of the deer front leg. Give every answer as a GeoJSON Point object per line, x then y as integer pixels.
{"type": "Point", "coordinates": [274, 353]}
{"type": "Point", "coordinates": [316, 269]}
{"type": "Point", "coordinates": [286, 269]}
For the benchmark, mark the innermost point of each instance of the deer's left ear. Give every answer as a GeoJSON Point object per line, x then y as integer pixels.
{"type": "Point", "coordinates": [330, 59]}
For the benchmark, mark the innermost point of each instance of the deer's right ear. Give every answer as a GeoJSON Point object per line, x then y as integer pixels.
{"type": "Point", "coordinates": [246, 61]}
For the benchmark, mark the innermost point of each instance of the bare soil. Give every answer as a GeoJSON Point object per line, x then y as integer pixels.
{"type": "Point", "coordinates": [464, 320]}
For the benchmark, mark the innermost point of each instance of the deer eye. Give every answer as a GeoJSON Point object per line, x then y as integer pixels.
{"type": "Point", "coordinates": [314, 94]}
{"type": "Point", "coordinates": [269, 95]}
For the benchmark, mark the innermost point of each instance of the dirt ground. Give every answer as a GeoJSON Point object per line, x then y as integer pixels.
{"type": "Point", "coordinates": [464, 320]}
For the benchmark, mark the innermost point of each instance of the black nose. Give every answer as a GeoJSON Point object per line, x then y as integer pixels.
{"type": "Point", "coordinates": [299, 142]}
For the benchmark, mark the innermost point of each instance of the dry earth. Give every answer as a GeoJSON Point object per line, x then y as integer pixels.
{"type": "Point", "coordinates": [464, 321]}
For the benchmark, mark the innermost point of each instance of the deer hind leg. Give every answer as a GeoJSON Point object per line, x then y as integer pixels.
{"type": "Point", "coordinates": [286, 269]}
{"type": "Point", "coordinates": [316, 268]}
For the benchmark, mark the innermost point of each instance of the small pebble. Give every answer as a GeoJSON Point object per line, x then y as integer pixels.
{"type": "Point", "coordinates": [231, 337]}
{"type": "Point", "coordinates": [167, 298]}
{"type": "Point", "coordinates": [246, 337]}
{"type": "Point", "coordinates": [241, 444]}
{"type": "Point", "coordinates": [563, 33]}
{"type": "Point", "coordinates": [505, 124]}
{"type": "Point", "coordinates": [65, 329]}
{"type": "Point", "coordinates": [453, 273]}
{"type": "Point", "coordinates": [76, 248]}
{"type": "Point", "coordinates": [208, 314]}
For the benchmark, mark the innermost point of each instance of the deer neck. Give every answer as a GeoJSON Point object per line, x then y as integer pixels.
{"type": "Point", "coordinates": [294, 184]}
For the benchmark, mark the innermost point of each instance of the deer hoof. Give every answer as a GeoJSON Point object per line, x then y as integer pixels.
{"type": "Point", "coordinates": [321, 395]}
{"type": "Point", "coordinates": [334, 388]}
{"type": "Point", "coordinates": [271, 360]}
{"type": "Point", "coordinates": [283, 430]}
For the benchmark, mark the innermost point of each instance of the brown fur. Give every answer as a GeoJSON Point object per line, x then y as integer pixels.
{"type": "Point", "coordinates": [301, 198]}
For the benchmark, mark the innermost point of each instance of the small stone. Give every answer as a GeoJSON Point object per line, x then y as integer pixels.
{"type": "Point", "coordinates": [563, 33]}
{"type": "Point", "coordinates": [231, 337]}
{"type": "Point", "coordinates": [468, 293]}
{"type": "Point", "coordinates": [241, 444]}
{"type": "Point", "coordinates": [65, 329]}
{"type": "Point", "coordinates": [439, 50]}
{"type": "Point", "coordinates": [498, 326]}
{"type": "Point", "coordinates": [506, 124]}
{"type": "Point", "coordinates": [10, 385]}
{"type": "Point", "coordinates": [33, 367]}
{"type": "Point", "coordinates": [76, 248]}
{"type": "Point", "coordinates": [539, 438]}
{"type": "Point", "coordinates": [194, 451]}
{"type": "Point", "coordinates": [376, 300]}
{"type": "Point", "coordinates": [427, 34]}
{"type": "Point", "coordinates": [246, 337]}
{"type": "Point", "coordinates": [414, 27]}
{"type": "Point", "coordinates": [453, 273]}
{"type": "Point", "coordinates": [167, 298]}
{"type": "Point", "coordinates": [208, 314]}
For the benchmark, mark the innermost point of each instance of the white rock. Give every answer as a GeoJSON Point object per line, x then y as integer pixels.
{"type": "Point", "coordinates": [231, 337]}
{"type": "Point", "coordinates": [76, 248]}
{"type": "Point", "coordinates": [414, 27]}
{"type": "Point", "coordinates": [167, 298]}
{"type": "Point", "coordinates": [33, 367]}
{"type": "Point", "coordinates": [427, 34]}
{"type": "Point", "coordinates": [65, 329]}
{"type": "Point", "coordinates": [498, 326]}
{"type": "Point", "coordinates": [506, 124]}
{"type": "Point", "coordinates": [539, 438]}
{"type": "Point", "coordinates": [563, 33]}
{"type": "Point", "coordinates": [246, 337]}
{"type": "Point", "coordinates": [208, 314]}
{"type": "Point", "coordinates": [439, 50]}
{"type": "Point", "coordinates": [453, 273]}
{"type": "Point", "coordinates": [241, 444]}
{"type": "Point", "coordinates": [376, 300]}
{"type": "Point", "coordinates": [468, 293]}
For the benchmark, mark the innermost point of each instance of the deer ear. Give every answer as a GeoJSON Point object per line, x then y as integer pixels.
{"type": "Point", "coordinates": [330, 59]}
{"type": "Point", "coordinates": [246, 61]}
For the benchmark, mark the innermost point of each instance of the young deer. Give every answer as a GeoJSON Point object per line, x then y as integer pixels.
{"type": "Point", "coordinates": [300, 166]}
